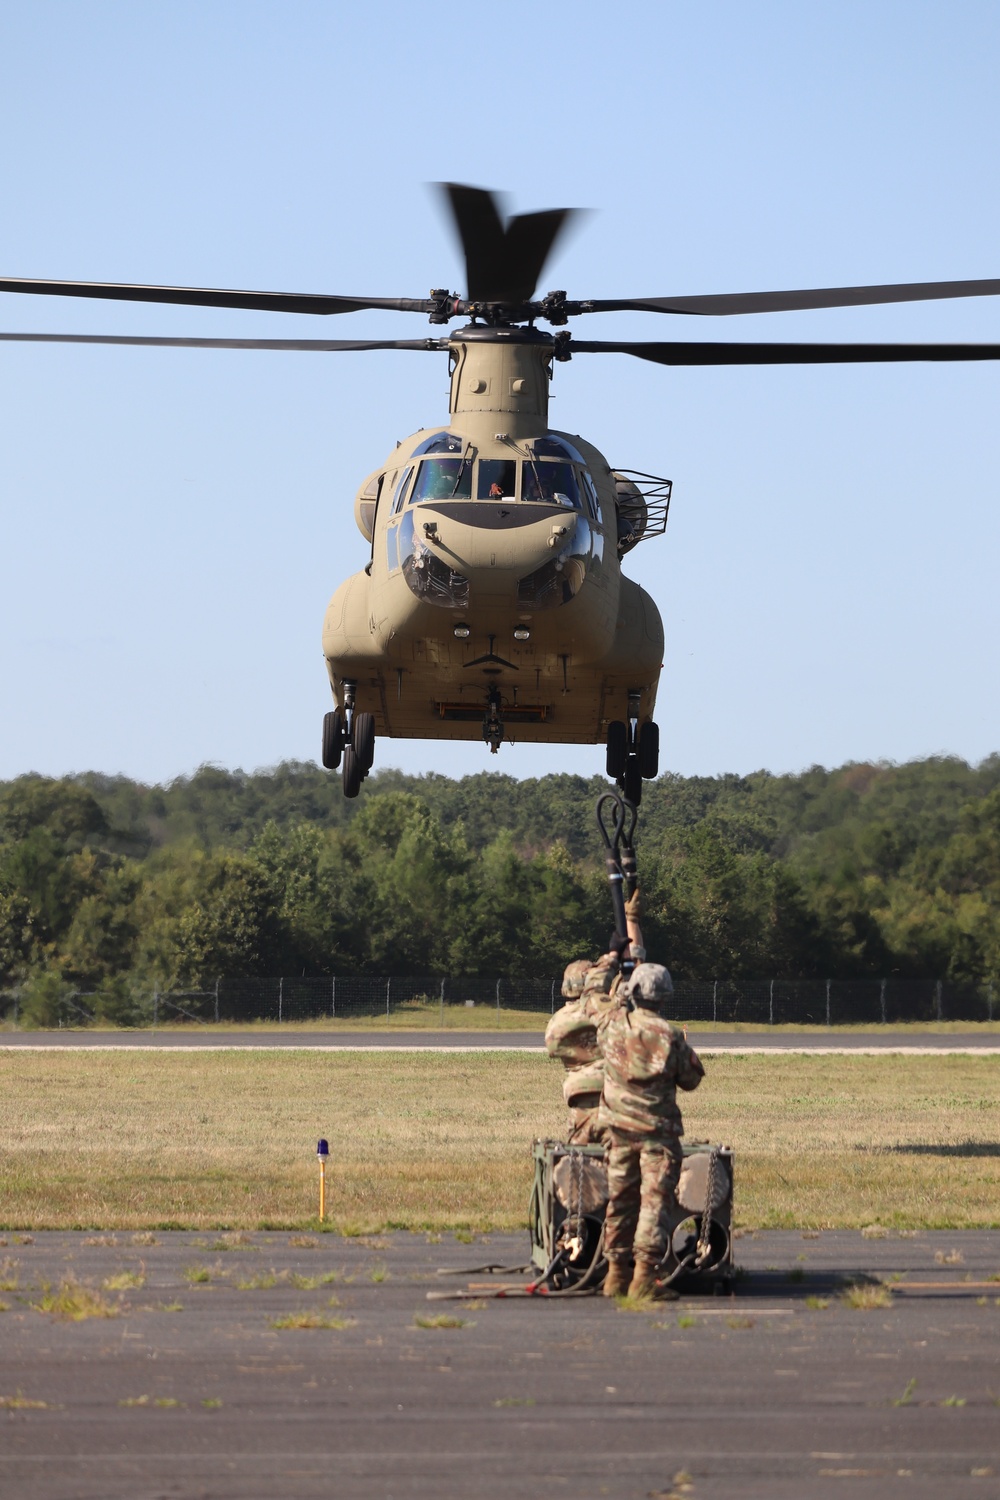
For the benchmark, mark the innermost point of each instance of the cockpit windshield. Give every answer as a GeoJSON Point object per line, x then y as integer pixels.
{"type": "Point", "coordinates": [443, 479]}
{"type": "Point", "coordinates": [497, 479]}
{"type": "Point", "coordinates": [552, 482]}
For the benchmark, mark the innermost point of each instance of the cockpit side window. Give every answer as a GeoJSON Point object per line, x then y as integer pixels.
{"type": "Point", "coordinates": [497, 479]}
{"type": "Point", "coordinates": [443, 479]}
{"type": "Point", "coordinates": [554, 483]}
{"type": "Point", "coordinates": [593, 500]}
{"type": "Point", "coordinates": [400, 490]}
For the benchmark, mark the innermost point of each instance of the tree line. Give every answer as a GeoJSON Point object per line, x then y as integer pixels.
{"type": "Point", "coordinates": [107, 885]}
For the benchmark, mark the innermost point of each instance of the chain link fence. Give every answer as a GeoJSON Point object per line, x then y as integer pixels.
{"type": "Point", "coordinates": [430, 999]}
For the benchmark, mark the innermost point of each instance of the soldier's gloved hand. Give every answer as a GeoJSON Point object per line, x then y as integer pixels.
{"type": "Point", "coordinates": [617, 944]}
{"type": "Point", "coordinates": [633, 906]}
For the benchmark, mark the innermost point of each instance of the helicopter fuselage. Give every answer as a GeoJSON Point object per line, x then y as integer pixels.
{"type": "Point", "coordinates": [495, 570]}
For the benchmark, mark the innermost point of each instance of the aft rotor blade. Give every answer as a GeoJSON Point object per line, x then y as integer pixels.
{"type": "Point", "coordinates": [322, 345]}
{"type": "Point", "coordinates": [787, 354]}
{"type": "Point", "coordinates": [728, 303]}
{"type": "Point", "coordinates": [503, 263]}
{"type": "Point", "coordinates": [195, 296]}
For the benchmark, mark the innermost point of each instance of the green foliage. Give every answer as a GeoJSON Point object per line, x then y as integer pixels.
{"type": "Point", "coordinates": [110, 886]}
{"type": "Point", "coordinates": [47, 1000]}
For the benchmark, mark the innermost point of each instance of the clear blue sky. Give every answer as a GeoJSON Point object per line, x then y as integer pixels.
{"type": "Point", "coordinates": [173, 522]}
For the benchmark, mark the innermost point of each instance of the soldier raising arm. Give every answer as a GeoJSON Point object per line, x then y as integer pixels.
{"type": "Point", "coordinates": [646, 1060]}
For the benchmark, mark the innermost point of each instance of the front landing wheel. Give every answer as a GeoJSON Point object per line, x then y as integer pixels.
{"type": "Point", "coordinates": [352, 772]}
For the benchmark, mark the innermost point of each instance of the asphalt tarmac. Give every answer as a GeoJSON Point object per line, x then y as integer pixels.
{"type": "Point", "coordinates": [218, 1038]}
{"type": "Point", "coordinates": [785, 1390]}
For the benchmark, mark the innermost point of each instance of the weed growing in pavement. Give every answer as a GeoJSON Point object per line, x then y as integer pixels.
{"type": "Point", "coordinates": [170, 1307]}
{"type": "Point", "coordinates": [378, 1273]}
{"type": "Point", "coordinates": [906, 1399]}
{"type": "Point", "coordinates": [866, 1295]}
{"type": "Point", "coordinates": [625, 1303]}
{"type": "Point", "coordinates": [953, 1401]}
{"type": "Point", "coordinates": [8, 1276]}
{"type": "Point", "coordinates": [304, 1242]}
{"type": "Point", "coordinates": [260, 1283]}
{"type": "Point", "coordinates": [949, 1258]}
{"type": "Point", "coordinates": [211, 1403]}
{"type": "Point", "coordinates": [740, 1322]}
{"type": "Point", "coordinates": [874, 1232]}
{"type": "Point", "coordinates": [197, 1275]}
{"type": "Point", "coordinates": [443, 1320]}
{"type": "Point", "coordinates": [4, 1307]}
{"type": "Point", "coordinates": [465, 1236]}
{"type": "Point", "coordinates": [75, 1303]}
{"type": "Point", "coordinates": [817, 1304]}
{"type": "Point", "coordinates": [310, 1319]}
{"type": "Point", "coordinates": [145, 1237]}
{"type": "Point", "coordinates": [105, 1240]}
{"type": "Point", "coordinates": [21, 1402]}
{"type": "Point", "coordinates": [123, 1281]}
{"type": "Point", "coordinates": [687, 1321]}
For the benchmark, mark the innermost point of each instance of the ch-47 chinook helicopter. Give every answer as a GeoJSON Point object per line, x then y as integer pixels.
{"type": "Point", "coordinates": [494, 600]}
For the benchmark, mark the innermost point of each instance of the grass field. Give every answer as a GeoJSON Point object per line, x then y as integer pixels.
{"type": "Point", "coordinates": [438, 1142]}
{"type": "Point", "coordinates": [418, 1017]}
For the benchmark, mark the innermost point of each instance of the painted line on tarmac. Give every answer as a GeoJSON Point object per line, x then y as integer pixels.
{"type": "Point", "coordinates": [709, 1051]}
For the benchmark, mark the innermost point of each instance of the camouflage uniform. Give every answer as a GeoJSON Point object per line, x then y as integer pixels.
{"type": "Point", "coordinates": [573, 1036]}
{"type": "Point", "coordinates": [646, 1059]}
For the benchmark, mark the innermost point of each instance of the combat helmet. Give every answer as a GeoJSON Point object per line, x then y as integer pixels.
{"type": "Point", "coordinates": [573, 978]}
{"type": "Point", "coordinates": [649, 984]}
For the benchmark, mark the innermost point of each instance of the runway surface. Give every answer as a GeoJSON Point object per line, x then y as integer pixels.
{"type": "Point", "coordinates": [213, 1038]}
{"type": "Point", "coordinates": [782, 1391]}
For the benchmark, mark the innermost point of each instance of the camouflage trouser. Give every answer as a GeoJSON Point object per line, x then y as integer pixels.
{"type": "Point", "coordinates": [583, 1129]}
{"type": "Point", "coordinates": [643, 1173]}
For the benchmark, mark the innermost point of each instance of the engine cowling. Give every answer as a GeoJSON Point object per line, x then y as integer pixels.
{"type": "Point", "coordinates": [632, 512]}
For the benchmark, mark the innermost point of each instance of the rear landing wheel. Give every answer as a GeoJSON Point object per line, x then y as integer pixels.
{"type": "Point", "coordinates": [363, 738]}
{"type": "Point", "coordinates": [632, 788]}
{"type": "Point", "coordinates": [352, 772]}
{"type": "Point", "coordinates": [649, 751]}
{"type": "Point", "coordinates": [617, 748]}
{"type": "Point", "coordinates": [333, 739]}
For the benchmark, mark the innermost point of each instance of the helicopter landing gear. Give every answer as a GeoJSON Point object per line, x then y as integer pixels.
{"type": "Point", "coordinates": [493, 730]}
{"type": "Point", "coordinates": [633, 752]}
{"type": "Point", "coordinates": [352, 772]}
{"type": "Point", "coordinates": [334, 736]}
{"type": "Point", "coordinates": [354, 734]}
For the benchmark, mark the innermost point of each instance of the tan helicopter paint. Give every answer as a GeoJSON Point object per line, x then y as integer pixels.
{"type": "Point", "coordinates": [584, 657]}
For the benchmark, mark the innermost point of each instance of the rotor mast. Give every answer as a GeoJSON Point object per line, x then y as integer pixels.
{"type": "Point", "coordinates": [500, 382]}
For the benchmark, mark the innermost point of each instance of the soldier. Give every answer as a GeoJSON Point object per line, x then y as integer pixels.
{"type": "Point", "coordinates": [646, 1059]}
{"type": "Point", "coordinates": [590, 992]}
{"type": "Point", "coordinates": [571, 1036]}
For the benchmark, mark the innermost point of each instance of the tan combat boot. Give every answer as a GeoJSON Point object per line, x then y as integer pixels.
{"type": "Point", "coordinates": [616, 1281]}
{"type": "Point", "coordinates": [644, 1281]}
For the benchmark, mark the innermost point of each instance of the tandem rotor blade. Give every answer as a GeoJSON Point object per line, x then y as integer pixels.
{"type": "Point", "coordinates": [194, 296]}
{"type": "Point", "coordinates": [502, 262]}
{"type": "Point", "coordinates": [786, 354]}
{"type": "Point", "coordinates": [728, 303]}
{"type": "Point", "coordinates": [321, 345]}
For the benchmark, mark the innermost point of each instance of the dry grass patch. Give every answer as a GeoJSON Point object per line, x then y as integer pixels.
{"type": "Point", "coordinates": [866, 1296]}
{"type": "Point", "coordinates": [439, 1141]}
{"type": "Point", "coordinates": [311, 1319]}
{"type": "Point", "coordinates": [443, 1320]}
{"type": "Point", "coordinates": [21, 1402]}
{"type": "Point", "coordinates": [123, 1281]}
{"type": "Point", "coordinates": [75, 1303]}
